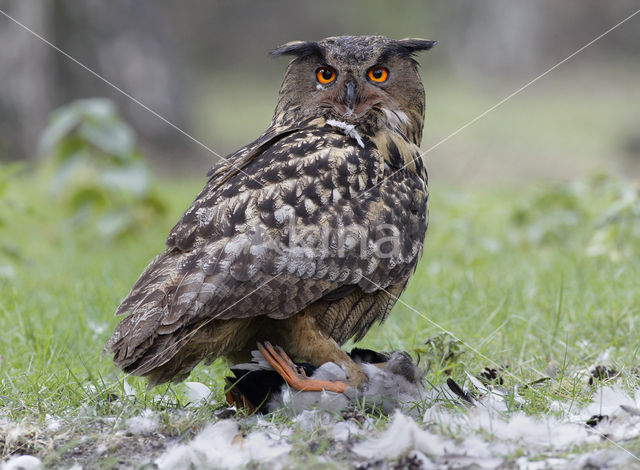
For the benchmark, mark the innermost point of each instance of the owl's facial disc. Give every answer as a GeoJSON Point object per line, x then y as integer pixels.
{"type": "Point", "coordinates": [350, 98]}
{"type": "Point", "coordinates": [350, 95]}
{"type": "Point", "coordinates": [354, 79]}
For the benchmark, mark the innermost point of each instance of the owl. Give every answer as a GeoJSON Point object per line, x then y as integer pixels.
{"type": "Point", "coordinates": [302, 239]}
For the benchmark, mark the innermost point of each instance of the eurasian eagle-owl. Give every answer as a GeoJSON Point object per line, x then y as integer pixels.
{"type": "Point", "coordinates": [306, 236]}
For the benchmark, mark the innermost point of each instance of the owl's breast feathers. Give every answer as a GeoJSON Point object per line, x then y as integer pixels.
{"type": "Point", "coordinates": [297, 214]}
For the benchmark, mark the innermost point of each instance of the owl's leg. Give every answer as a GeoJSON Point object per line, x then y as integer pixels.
{"type": "Point", "coordinates": [303, 338]}
{"type": "Point", "coordinates": [283, 365]}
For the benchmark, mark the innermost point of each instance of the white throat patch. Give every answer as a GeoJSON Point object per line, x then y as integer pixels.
{"type": "Point", "coordinates": [348, 129]}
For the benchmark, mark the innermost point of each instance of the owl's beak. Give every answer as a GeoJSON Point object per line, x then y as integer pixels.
{"type": "Point", "coordinates": [350, 95]}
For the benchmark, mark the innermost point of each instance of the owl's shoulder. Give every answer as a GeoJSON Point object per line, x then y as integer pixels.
{"type": "Point", "coordinates": [315, 162]}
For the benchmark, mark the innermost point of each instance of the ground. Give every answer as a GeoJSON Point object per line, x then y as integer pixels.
{"type": "Point", "coordinates": [526, 298]}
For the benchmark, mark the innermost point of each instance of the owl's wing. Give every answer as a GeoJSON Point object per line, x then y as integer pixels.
{"type": "Point", "coordinates": [277, 236]}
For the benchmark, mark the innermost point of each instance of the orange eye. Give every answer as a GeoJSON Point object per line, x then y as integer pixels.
{"type": "Point", "coordinates": [378, 74]}
{"type": "Point", "coordinates": [325, 75]}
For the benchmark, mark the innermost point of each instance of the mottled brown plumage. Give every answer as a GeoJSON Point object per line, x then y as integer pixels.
{"type": "Point", "coordinates": [304, 237]}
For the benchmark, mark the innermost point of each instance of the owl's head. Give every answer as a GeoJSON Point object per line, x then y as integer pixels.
{"type": "Point", "coordinates": [354, 79]}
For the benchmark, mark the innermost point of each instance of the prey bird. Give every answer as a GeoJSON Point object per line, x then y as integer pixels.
{"type": "Point", "coordinates": [305, 237]}
{"type": "Point", "coordinates": [393, 381]}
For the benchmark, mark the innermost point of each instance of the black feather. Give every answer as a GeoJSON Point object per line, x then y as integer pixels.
{"type": "Point", "coordinates": [368, 356]}
{"type": "Point", "coordinates": [258, 385]}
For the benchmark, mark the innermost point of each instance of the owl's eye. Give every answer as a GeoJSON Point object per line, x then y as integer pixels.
{"type": "Point", "coordinates": [378, 74]}
{"type": "Point", "coordinates": [325, 75]}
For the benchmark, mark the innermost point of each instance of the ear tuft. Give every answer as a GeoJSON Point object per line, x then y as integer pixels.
{"type": "Point", "coordinates": [299, 49]}
{"type": "Point", "coordinates": [410, 46]}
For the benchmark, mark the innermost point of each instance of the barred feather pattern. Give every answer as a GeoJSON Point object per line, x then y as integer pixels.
{"type": "Point", "coordinates": [231, 255]}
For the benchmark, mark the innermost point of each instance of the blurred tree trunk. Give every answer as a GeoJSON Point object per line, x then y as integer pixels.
{"type": "Point", "coordinates": [28, 90]}
{"type": "Point", "coordinates": [128, 43]}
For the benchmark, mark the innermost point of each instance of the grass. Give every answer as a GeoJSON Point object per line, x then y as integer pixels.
{"type": "Point", "coordinates": [536, 281]}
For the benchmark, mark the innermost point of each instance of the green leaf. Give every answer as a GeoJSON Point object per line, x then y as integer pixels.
{"type": "Point", "coordinates": [88, 196]}
{"type": "Point", "coordinates": [111, 136]}
{"type": "Point", "coordinates": [96, 170]}
{"type": "Point", "coordinates": [115, 224]}
{"type": "Point", "coordinates": [131, 178]}
{"type": "Point", "coordinates": [66, 119]}
{"type": "Point", "coordinates": [61, 124]}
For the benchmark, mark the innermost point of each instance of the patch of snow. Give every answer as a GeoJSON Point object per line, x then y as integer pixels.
{"type": "Point", "coordinates": [221, 445]}
{"type": "Point", "coordinates": [144, 424]}
{"type": "Point", "coordinates": [22, 462]}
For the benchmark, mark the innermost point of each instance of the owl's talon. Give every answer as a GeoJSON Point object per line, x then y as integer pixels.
{"type": "Point", "coordinates": [283, 365]}
{"type": "Point", "coordinates": [282, 353]}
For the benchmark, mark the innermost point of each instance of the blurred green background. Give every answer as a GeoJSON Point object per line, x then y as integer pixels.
{"type": "Point", "coordinates": [533, 250]}
{"type": "Point", "coordinates": [204, 66]}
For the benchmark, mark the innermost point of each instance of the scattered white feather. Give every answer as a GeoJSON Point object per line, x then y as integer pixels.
{"type": "Point", "coordinates": [197, 393]}
{"type": "Point", "coordinates": [309, 420]}
{"type": "Point", "coordinates": [274, 431]}
{"type": "Point", "coordinates": [348, 129]}
{"type": "Point", "coordinates": [545, 464]}
{"type": "Point", "coordinates": [220, 445]}
{"type": "Point", "coordinates": [485, 436]}
{"type": "Point", "coordinates": [526, 431]}
{"type": "Point", "coordinates": [53, 424]}
{"type": "Point", "coordinates": [144, 424]}
{"type": "Point", "coordinates": [22, 462]}
{"type": "Point", "coordinates": [101, 449]}
{"type": "Point", "coordinates": [602, 459]}
{"type": "Point", "coordinates": [402, 435]}
{"type": "Point", "coordinates": [344, 430]}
